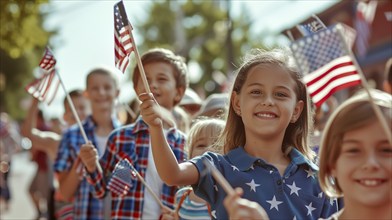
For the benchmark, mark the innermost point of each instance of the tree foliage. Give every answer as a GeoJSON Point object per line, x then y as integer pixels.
{"type": "Point", "coordinates": [201, 31]}
{"type": "Point", "coordinates": [22, 42]}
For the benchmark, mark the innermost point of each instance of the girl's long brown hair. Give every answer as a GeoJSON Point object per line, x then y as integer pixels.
{"type": "Point", "coordinates": [296, 134]}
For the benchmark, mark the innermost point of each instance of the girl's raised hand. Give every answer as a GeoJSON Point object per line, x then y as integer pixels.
{"type": "Point", "coordinates": [239, 208]}
{"type": "Point", "coordinates": [150, 110]}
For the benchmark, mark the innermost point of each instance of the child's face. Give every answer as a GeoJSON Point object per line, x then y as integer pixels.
{"type": "Point", "coordinates": [101, 91]}
{"type": "Point", "coordinates": [201, 144]}
{"type": "Point", "coordinates": [267, 102]}
{"type": "Point", "coordinates": [82, 109]}
{"type": "Point", "coordinates": [160, 77]}
{"type": "Point", "coordinates": [364, 167]}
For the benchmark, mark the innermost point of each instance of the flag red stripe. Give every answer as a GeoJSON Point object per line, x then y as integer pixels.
{"type": "Point", "coordinates": [332, 80]}
{"type": "Point", "coordinates": [54, 92]}
{"type": "Point", "coordinates": [328, 71]}
{"type": "Point", "coordinates": [335, 89]}
{"type": "Point", "coordinates": [50, 79]}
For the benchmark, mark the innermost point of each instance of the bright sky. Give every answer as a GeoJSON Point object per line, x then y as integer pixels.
{"type": "Point", "coordinates": [85, 34]}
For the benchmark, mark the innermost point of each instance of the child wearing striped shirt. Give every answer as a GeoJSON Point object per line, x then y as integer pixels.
{"type": "Point", "coordinates": [201, 138]}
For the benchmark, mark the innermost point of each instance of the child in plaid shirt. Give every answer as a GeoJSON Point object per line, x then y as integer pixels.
{"type": "Point", "coordinates": [166, 74]}
{"type": "Point", "coordinates": [101, 90]}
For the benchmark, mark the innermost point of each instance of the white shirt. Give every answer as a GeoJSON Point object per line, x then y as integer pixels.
{"type": "Point", "coordinates": [151, 208]}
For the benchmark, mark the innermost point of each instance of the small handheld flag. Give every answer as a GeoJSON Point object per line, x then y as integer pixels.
{"type": "Point", "coordinates": [123, 46]}
{"type": "Point", "coordinates": [125, 43]}
{"type": "Point", "coordinates": [48, 61]}
{"type": "Point", "coordinates": [325, 63]}
{"type": "Point", "coordinates": [43, 89]}
{"type": "Point", "coordinates": [121, 180]}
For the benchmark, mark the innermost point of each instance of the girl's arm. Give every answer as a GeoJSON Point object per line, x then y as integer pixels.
{"type": "Point", "coordinates": [166, 163]}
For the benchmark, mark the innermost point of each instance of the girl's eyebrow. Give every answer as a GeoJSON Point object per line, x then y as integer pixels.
{"type": "Point", "coordinates": [259, 84]}
{"type": "Point", "coordinates": [345, 141]}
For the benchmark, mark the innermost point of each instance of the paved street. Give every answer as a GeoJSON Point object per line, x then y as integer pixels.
{"type": "Point", "coordinates": [22, 171]}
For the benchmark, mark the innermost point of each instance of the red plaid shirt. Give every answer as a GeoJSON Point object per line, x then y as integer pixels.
{"type": "Point", "coordinates": [133, 142]}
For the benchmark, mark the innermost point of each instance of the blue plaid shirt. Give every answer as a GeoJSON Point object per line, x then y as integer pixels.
{"type": "Point", "coordinates": [133, 143]}
{"type": "Point", "coordinates": [85, 205]}
{"type": "Point", "coordinates": [295, 195]}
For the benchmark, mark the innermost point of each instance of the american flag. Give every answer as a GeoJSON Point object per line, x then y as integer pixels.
{"type": "Point", "coordinates": [48, 61]}
{"type": "Point", "coordinates": [122, 177]}
{"type": "Point", "coordinates": [43, 89]}
{"type": "Point", "coordinates": [325, 63]}
{"type": "Point", "coordinates": [123, 45]}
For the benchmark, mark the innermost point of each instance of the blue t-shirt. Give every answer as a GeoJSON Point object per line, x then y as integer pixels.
{"type": "Point", "coordinates": [295, 195]}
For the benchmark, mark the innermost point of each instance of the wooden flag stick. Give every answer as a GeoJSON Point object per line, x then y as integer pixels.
{"type": "Point", "coordinates": [219, 178]}
{"type": "Point", "coordinates": [139, 61]}
{"type": "Point", "coordinates": [365, 85]}
{"type": "Point", "coordinates": [129, 110]}
{"type": "Point", "coordinates": [71, 105]}
{"type": "Point", "coordinates": [149, 188]}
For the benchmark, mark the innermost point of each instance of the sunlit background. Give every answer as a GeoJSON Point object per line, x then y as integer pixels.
{"type": "Point", "coordinates": [211, 35]}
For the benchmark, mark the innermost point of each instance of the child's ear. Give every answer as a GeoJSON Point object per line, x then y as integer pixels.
{"type": "Point", "coordinates": [179, 95]}
{"type": "Point", "coordinates": [297, 111]}
{"type": "Point", "coordinates": [235, 102]}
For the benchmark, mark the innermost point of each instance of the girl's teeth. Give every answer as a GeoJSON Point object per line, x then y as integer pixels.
{"type": "Point", "coordinates": [370, 182]}
{"type": "Point", "coordinates": [266, 115]}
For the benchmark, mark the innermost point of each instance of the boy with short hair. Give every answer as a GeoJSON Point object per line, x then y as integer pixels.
{"type": "Point", "coordinates": [101, 91]}
{"type": "Point", "coordinates": [166, 74]}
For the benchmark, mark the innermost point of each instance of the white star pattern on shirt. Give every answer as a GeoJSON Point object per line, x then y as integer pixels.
{"type": "Point", "coordinates": [271, 171]}
{"type": "Point", "coordinates": [234, 168]}
{"type": "Point", "coordinates": [213, 213]}
{"type": "Point", "coordinates": [310, 209]}
{"type": "Point", "coordinates": [274, 203]}
{"type": "Point", "coordinates": [216, 188]}
{"type": "Point", "coordinates": [331, 201]}
{"type": "Point", "coordinates": [320, 195]}
{"type": "Point", "coordinates": [252, 185]}
{"type": "Point", "coordinates": [310, 173]}
{"type": "Point", "coordinates": [295, 217]}
{"type": "Point", "coordinates": [293, 188]}
{"type": "Point", "coordinates": [252, 167]}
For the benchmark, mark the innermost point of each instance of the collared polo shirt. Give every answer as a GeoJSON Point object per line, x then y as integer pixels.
{"type": "Point", "coordinates": [295, 195]}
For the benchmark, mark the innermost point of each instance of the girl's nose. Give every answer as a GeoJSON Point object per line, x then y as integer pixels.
{"type": "Point", "coordinates": [267, 100]}
{"type": "Point", "coordinates": [371, 162]}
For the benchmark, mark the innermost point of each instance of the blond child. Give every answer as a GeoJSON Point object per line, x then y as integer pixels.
{"type": "Point", "coordinates": [201, 138]}
{"type": "Point", "coordinates": [356, 158]}
{"type": "Point", "coordinates": [166, 75]}
{"type": "Point", "coordinates": [264, 141]}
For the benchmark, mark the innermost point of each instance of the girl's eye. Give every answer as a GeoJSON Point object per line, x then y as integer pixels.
{"type": "Point", "coordinates": [351, 150]}
{"type": "Point", "coordinates": [255, 92]}
{"type": "Point", "coordinates": [201, 146]}
{"type": "Point", "coordinates": [387, 150]}
{"type": "Point", "coordinates": [162, 79]}
{"type": "Point", "coordinates": [281, 94]}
